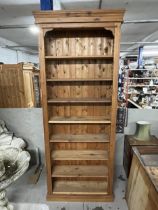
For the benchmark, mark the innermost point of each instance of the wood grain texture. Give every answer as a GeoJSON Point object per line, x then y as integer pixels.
{"type": "Point", "coordinates": [80, 138]}
{"type": "Point", "coordinates": [12, 86]}
{"type": "Point", "coordinates": [146, 196]}
{"type": "Point", "coordinates": [80, 187]}
{"type": "Point", "coordinates": [81, 64]}
{"type": "Point", "coordinates": [98, 16]}
{"type": "Point", "coordinates": [80, 120]}
{"type": "Point", "coordinates": [80, 171]}
{"type": "Point", "coordinates": [16, 86]}
{"type": "Point", "coordinates": [129, 143]}
{"type": "Point", "coordinates": [44, 106]}
{"type": "Point", "coordinates": [114, 104]}
{"type": "Point", "coordinates": [79, 155]}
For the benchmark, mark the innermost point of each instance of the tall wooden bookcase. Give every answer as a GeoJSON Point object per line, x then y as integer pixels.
{"type": "Point", "coordinates": [79, 57]}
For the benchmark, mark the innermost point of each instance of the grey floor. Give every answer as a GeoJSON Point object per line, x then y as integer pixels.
{"type": "Point", "coordinates": [22, 192]}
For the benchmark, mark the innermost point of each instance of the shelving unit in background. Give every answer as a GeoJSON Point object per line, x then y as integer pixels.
{"type": "Point", "coordinates": [79, 53]}
{"type": "Point", "coordinates": [137, 84]}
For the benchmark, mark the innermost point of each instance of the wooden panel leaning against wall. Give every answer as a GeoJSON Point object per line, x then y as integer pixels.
{"type": "Point", "coordinates": [19, 86]}
{"type": "Point", "coordinates": [142, 188]}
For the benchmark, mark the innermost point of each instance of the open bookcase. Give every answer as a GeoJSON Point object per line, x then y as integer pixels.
{"type": "Point", "coordinates": [79, 54]}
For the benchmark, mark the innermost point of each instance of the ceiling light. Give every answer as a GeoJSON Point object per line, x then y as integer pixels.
{"type": "Point", "coordinates": [34, 29]}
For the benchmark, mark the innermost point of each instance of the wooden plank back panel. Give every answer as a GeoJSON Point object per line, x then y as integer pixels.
{"type": "Point", "coordinates": [81, 69]}
{"type": "Point", "coordinates": [12, 86]}
{"type": "Point", "coordinates": [79, 146]}
{"type": "Point", "coordinates": [79, 90]}
{"type": "Point", "coordinates": [79, 110]}
{"type": "Point", "coordinates": [61, 43]}
{"type": "Point", "coordinates": [73, 129]}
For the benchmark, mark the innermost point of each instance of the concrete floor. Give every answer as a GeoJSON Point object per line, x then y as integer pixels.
{"type": "Point", "coordinates": [23, 192]}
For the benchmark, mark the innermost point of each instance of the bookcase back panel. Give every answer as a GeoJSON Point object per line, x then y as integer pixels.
{"type": "Point", "coordinates": [78, 110]}
{"type": "Point", "coordinates": [79, 43]}
{"type": "Point", "coordinates": [79, 129]}
{"type": "Point", "coordinates": [79, 69]}
{"type": "Point", "coordinates": [79, 162]}
{"type": "Point", "coordinates": [79, 146]}
{"type": "Point", "coordinates": [80, 90]}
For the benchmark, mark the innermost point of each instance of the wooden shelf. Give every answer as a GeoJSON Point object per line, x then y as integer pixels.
{"type": "Point", "coordinates": [79, 80]}
{"type": "Point", "coordinates": [80, 138]}
{"type": "Point", "coordinates": [143, 93]}
{"type": "Point", "coordinates": [79, 100]}
{"type": "Point", "coordinates": [143, 78]}
{"type": "Point", "coordinates": [80, 187]}
{"type": "Point", "coordinates": [139, 69]}
{"type": "Point", "coordinates": [136, 85]}
{"type": "Point", "coordinates": [79, 155]}
{"type": "Point", "coordinates": [80, 171]}
{"type": "Point", "coordinates": [79, 120]}
{"type": "Point", "coordinates": [79, 57]}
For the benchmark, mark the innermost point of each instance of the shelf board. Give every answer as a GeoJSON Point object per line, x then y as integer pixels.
{"type": "Point", "coordinates": [139, 69]}
{"type": "Point", "coordinates": [79, 100]}
{"type": "Point", "coordinates": [80, 138]}
{"type": "Point", "coordinates": [136, 105]}
{"type": "Point", "coordinates": [79, 57]}
{"type": "Point", "coordinates": [80, 120]}
{"type": "Point", "coordinates": [143, 78]}
{"type": "Point", "coordinates": [85, 171]}
{"type": "Point", "coordinates": [79, 155]}
{"type": "Point", "coordinates": [142, 85]}
{"type": "Point", "coordinates": [80, 187]}
{"type": "Point", "coordinates": [143, 93]}
{"type": "Point", "coordinates": [79, 80]}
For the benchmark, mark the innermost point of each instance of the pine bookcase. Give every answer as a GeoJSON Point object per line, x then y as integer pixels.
{"type": "Point", "coordinates": [79, 58]}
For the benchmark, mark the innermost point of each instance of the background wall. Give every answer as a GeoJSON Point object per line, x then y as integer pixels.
{"type": "Point", "coordinates": [135, 115]}
{"type": "Point", "coordinates": [9, 56]}
{"type": "Point", "coordinates": [28, 124]}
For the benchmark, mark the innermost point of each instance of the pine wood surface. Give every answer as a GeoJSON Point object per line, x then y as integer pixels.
{"type": "Point", "coordinates": [79, 80]}
{"type": "Point", "coordinates": [16, 86]}
{"type": "Point", "coordinates": [78, 120]}
{"type": "Point", "coordinates": [129, 143]}
{"type": "Point", "coordinates": [79, 100]}
{"type": "Point", "coordinates": [79, 155]}
{"type": "Point", "coordinates": [146, 196]}
{"type": "Point", "coordinates": [80, 171]}
{"type": "Point", "coordinates": [79, 87]}
{"type": "Point", "coordinates": [79, 138]}
{"type": "Point", "coordinates": [80, 187]}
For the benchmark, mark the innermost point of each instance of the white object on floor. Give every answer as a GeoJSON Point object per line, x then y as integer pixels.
{"type": "Point", "coordinates": [30, 206]}
{"type": "Point", "coordinates": [7, 138]}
